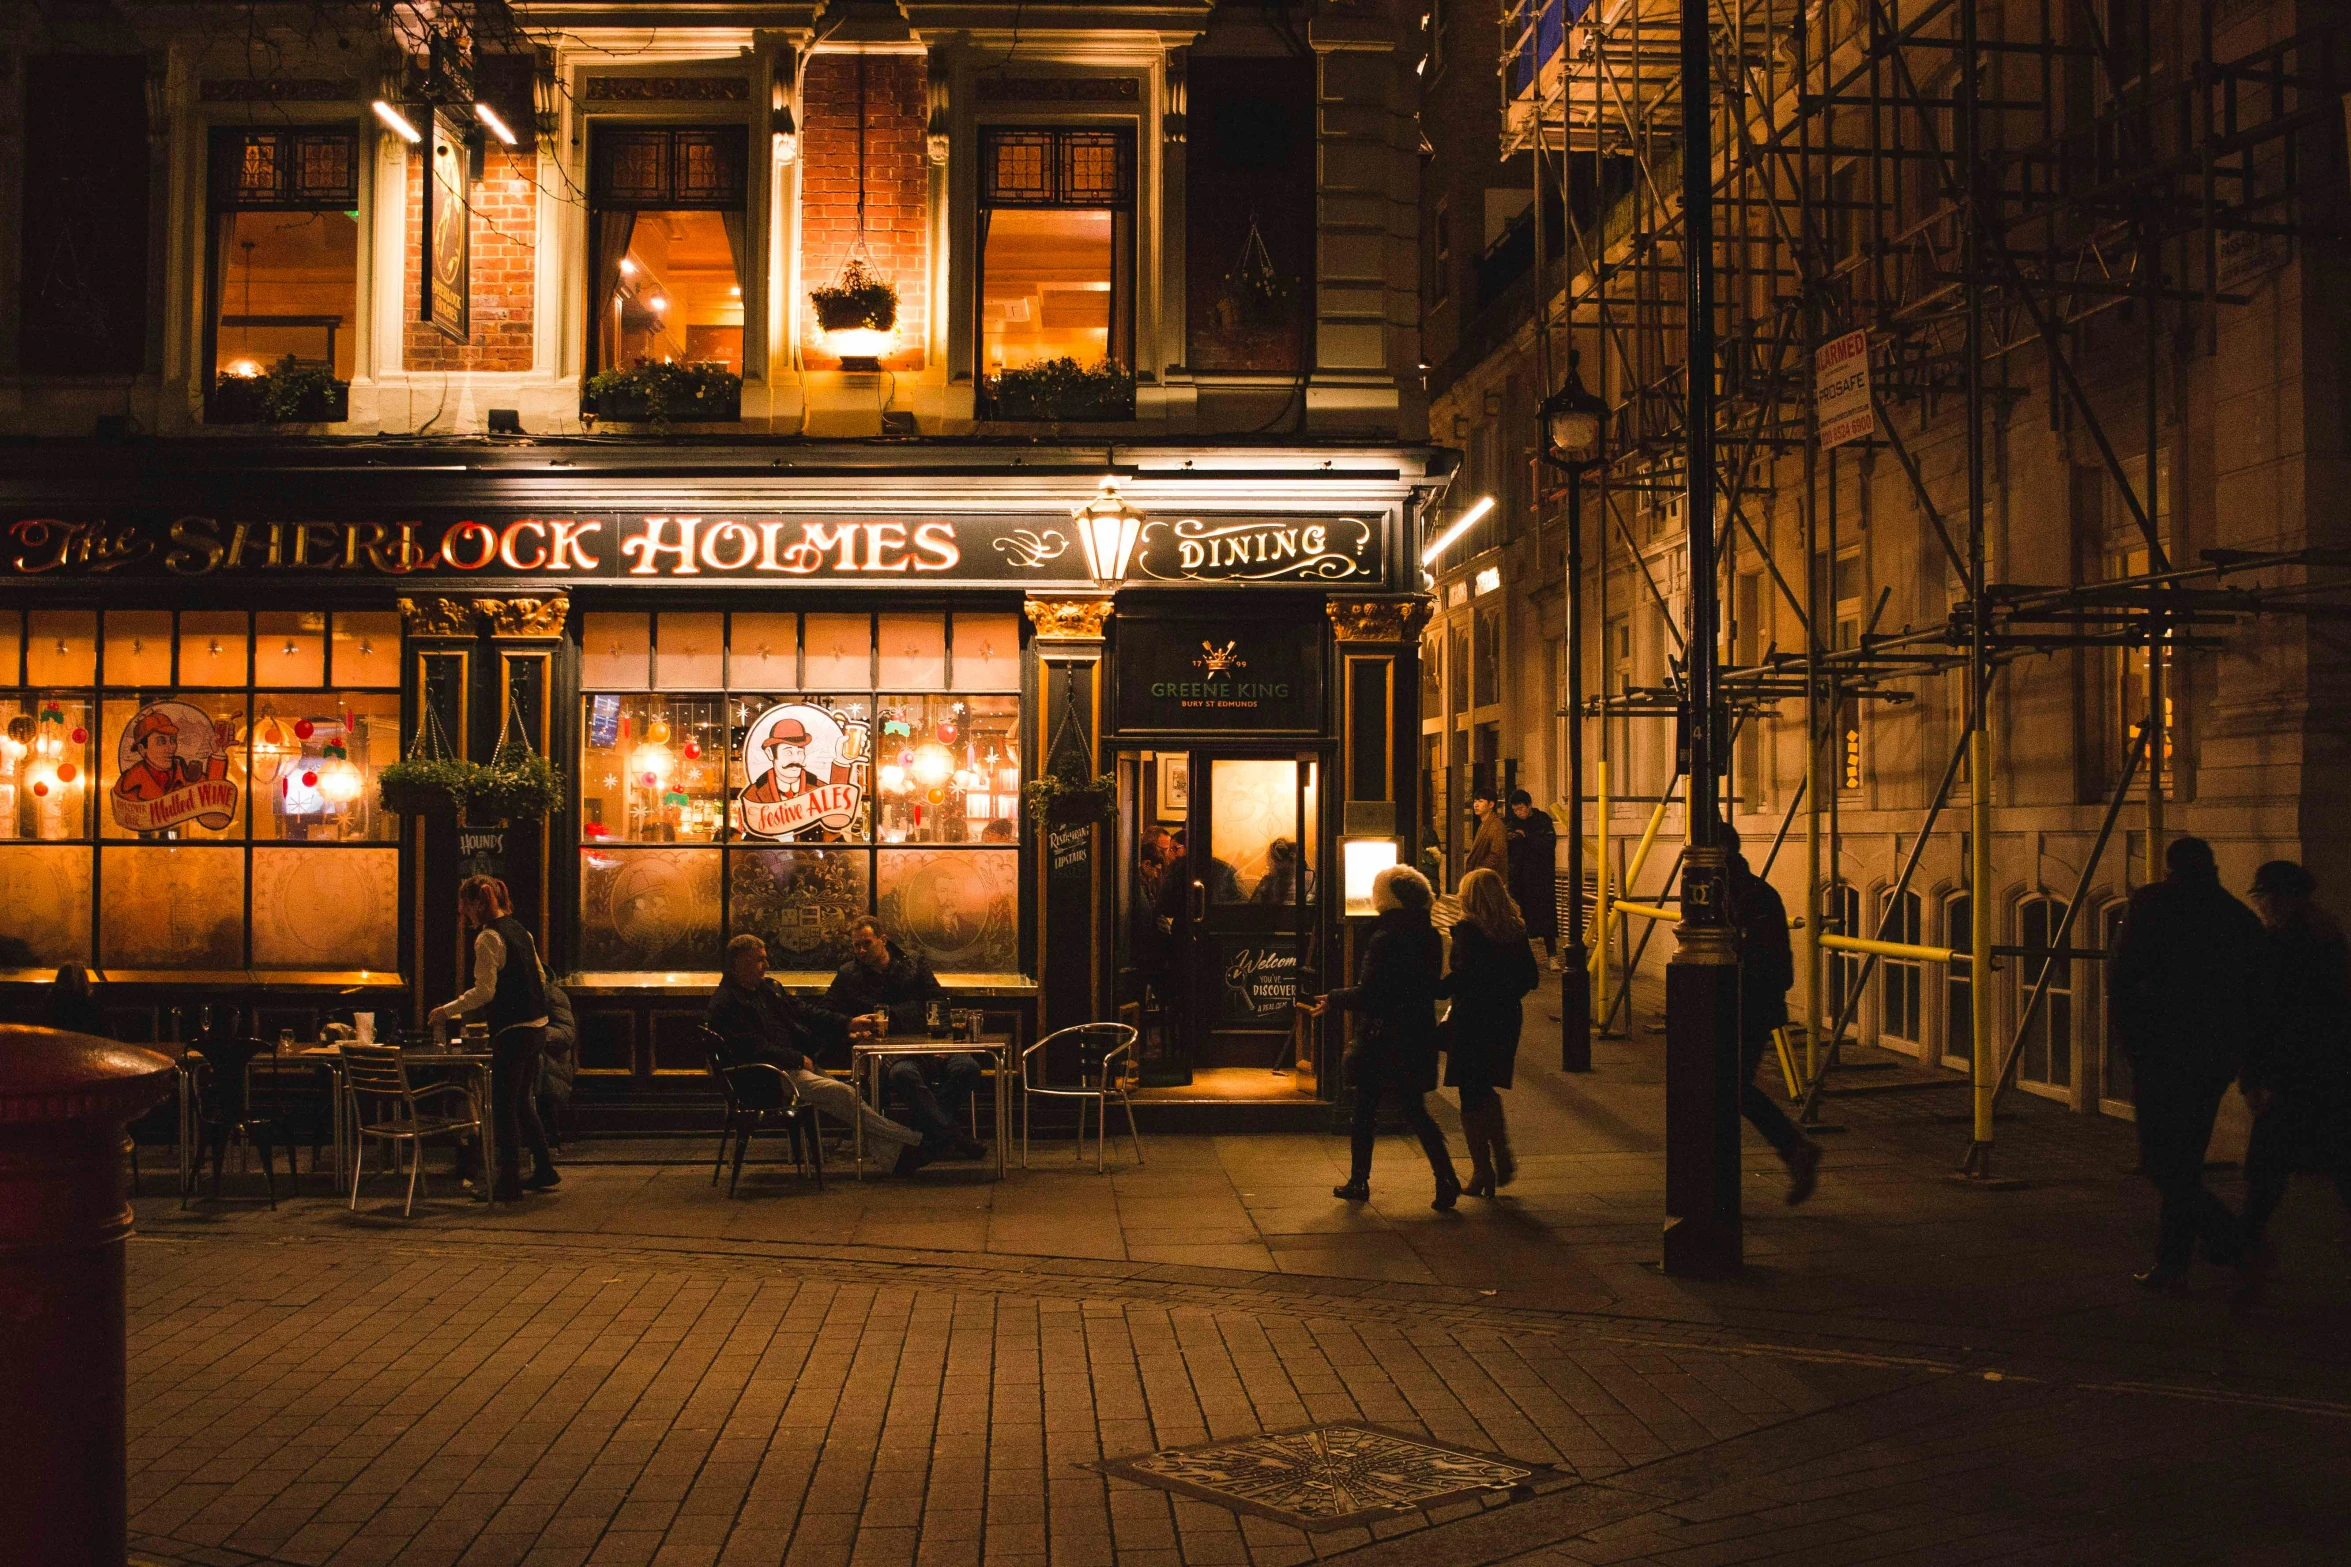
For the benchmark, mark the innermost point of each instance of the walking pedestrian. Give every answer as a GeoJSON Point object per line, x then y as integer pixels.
{"type": "Point", "coordinates": [510, 984]}
{"type": "Point", "coordinates": [1767, 967]}
{"type": "Point", "coordinates": [1493, 967]}
{"type": "Point", "coordinates": [1395, 1052]}
{"type": "Point", "coordinates": [2297, 1073]}
{"type": "Point", "coordinates": [1534, 871]}
{"type": "Point", "coordinates": [2183, 986]}
{"type": "Point", "coordinates": [1489, 846]}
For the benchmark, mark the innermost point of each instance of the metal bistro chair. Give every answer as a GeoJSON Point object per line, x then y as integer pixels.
{"type": "Point", "coordinates": [759, 1096]}
{"type": "Point", "coordinates": [225, 1113]}
{"type": "Point", "coordinates": [1103, 1051]}
{"type": "Point", "coordinates": [377, 1072]}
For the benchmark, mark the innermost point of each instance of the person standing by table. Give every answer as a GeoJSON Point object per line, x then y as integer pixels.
{"type": "Point", "coordinates": [510, 984]}
{"type": "Point", "coordinates": [881, 977]}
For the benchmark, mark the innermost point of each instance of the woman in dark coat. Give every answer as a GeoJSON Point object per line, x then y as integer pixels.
{"type": "Point", "coordinates": [1534, 868]}
{"type": "Point", "coordinates": [2297, 1073]}
{"type": "Point", "coordinates": [1395, 1051]}
{"type": "Point", "coordinates": [1493, 966]}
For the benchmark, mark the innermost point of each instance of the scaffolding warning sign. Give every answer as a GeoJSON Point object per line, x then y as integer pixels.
{"type": "Point", "coordinates": [1841, 389]}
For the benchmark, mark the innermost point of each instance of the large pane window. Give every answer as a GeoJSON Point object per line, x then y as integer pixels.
{"type": "Point", "coordinates": [837, 765]}
{"type": "Point", "coordinates": [226, 762]}
{"type": "Point", "coordinates": [1056, 245]}
{"type": "Point", "coordinates": [2046, 1054]}
{"type": "Point", "coordinates": [283, 283]}
{"type": "Point", "coordinates": [668, 246]}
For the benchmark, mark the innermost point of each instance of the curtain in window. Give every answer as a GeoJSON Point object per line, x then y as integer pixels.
{"type": "Point", "coordinates": [613, 231]}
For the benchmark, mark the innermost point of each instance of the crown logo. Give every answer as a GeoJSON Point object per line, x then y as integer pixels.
{"type": "Point", "coordinates": [1216, 660]}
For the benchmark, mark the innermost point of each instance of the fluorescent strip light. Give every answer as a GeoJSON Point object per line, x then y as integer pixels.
{"type": "Point", "coordinates": [1461, 525]}
{"type": "Point", "coordinates": [397, 123]}
{"type": "Point", "coordinates": [489, 116]}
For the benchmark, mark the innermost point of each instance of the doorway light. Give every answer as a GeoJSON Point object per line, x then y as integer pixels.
{"type": "Point", "coordinates": [397, 123]}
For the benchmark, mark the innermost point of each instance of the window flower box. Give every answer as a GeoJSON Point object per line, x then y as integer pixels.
{"type": "Point", "coordinates": [665, 394]}
{"type": "Point", "coordinates": [1062, 391]}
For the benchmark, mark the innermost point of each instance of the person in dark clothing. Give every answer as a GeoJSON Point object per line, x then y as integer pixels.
{"type": "Point", "coordinates": [511, 987]}
{"type": "Point", "coordinates": [1285, 880]}
{"type": "Point", "coordinates": [880, 978]}
{"type": "Point", "coordinates": [559, 1063]}
{"type": "Point", "coordinates": [1534, 869]}
{"type": "Point", "coordinates": [1767, 967]}
{"type": "Point", "coordinates": [73, 1004]}
{"type": "Point", "coordinates": [2297, 1071]}
{"type": "Point", "coordinates": [1493, 967]}
{"type": "Point", "coordinates": [757, 1020]}
{"type": "Point", "coordinates": [1395, 1052]}
{"type": "Point", "coordinates": [1489, 844]}
{"type": "Point", "coordinates": [2183, 982]}
{"type": "Point", "coordinates": [1222, 881]}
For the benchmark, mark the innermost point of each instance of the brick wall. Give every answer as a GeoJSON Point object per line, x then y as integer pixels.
{"type": "Point", "coordinates": [897, 184]}
{"type": "Point", "coordinates": [505, 256]}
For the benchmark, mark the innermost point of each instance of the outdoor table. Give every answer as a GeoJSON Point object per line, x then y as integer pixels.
{"type": "Point", "coordinates": [474, 1063]}
{"type": "Point", "coordinates": [868, 1056]}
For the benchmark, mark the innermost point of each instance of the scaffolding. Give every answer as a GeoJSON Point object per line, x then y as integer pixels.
{"type": "Point", "coordinates": [1993, 196]}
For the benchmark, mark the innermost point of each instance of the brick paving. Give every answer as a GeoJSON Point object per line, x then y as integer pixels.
{"type": "Point", "coordinates": [637, 1370]}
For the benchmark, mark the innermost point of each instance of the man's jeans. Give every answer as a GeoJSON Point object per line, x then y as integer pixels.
{"type": "Point", "coordinates": [934, 1091]}
{"type": "Point", "coordinates": [883, 1136]}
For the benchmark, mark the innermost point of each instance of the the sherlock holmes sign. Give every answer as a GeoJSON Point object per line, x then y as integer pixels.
{"type": "Point", "coordinates": [1262, 673]}
{"type": "Point", "coordinates": [683, 544]}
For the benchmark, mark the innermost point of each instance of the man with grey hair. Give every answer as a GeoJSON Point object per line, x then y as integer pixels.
{"type": "Point", "coordinates": [757, 1020]}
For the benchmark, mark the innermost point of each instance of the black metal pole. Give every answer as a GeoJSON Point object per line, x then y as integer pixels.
{"type": "Point", "coordinates": [1702, 981]}
{"type": "Point", "coordinates": [1575, 974]}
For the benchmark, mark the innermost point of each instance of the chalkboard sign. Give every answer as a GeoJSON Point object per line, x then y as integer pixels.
{"type": "Point", "coordinates": [1257, 981]}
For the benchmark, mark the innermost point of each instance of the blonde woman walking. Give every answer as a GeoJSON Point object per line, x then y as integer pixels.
{"type": "Point", "coordinates": [1493, 967]}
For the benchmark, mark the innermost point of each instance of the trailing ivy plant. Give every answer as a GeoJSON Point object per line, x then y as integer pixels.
{"type": "Point", "coordinates": [1055, 803]}
{"type": "Point", "coordinates": [1059, 389]}
{"type": "Point", "coordinates": [862, 298]}
{"type": "Point", "coordinates": [664, 394]}
{"type": "Point", "coordinates": [425, 785]}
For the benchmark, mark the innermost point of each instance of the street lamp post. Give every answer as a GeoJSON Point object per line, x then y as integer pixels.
{"type": "Point", "coordinates": [1573, 423]}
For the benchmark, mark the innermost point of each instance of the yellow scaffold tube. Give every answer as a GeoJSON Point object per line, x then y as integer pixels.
{"type": "Point", "coordinates": [1632, 873]}
{"type": "Point", "coordinates": [1890, 949]}
{"type": "Point", "coordinates": [1647, 911]}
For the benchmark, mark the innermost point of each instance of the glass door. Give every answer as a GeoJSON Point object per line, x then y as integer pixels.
{"type": "Point", "coordinates": [1245, 923]}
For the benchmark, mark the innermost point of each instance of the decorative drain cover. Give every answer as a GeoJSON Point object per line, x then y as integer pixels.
{"type": "Point", "coordinates": [1327, 1476]}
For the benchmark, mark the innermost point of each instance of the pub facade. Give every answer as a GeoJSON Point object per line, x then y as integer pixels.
{"type": "Point", "coordinates": [1108, 536]}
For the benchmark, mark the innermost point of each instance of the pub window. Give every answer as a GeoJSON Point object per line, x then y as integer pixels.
{"type": "Point", "coordinates": [669, 247]}
{"type": "Point", "coordinates": [283, 281]}
{"type": "Point", "coordinates": [1057, 250]}
{"type": "Point", "coordinates": [195, 791]}
{"type": "Point", "coordinates": [1958, 977]}
{"type": "Point", "coordinates": [783, 773]}
{"type": "Point", "coordinates": [2122, 554]}
{"type": "Point", "coordinates": [1486, 638]}
{"type": "Point", "coordinates": [1843, 969]}
{"type": "Point", "coordinates": [1901, 981]}
{"type": "Point", "coordinates": [2045, 1056]}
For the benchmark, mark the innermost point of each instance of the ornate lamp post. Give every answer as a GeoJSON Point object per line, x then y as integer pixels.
{"type": "Point", "coordinates": [1574, 422]}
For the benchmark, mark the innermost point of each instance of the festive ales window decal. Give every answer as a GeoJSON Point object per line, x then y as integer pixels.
{"type": "Point", "coordinates": [807, 772]}
{"type": "Point", "coordinates": [175, 764]}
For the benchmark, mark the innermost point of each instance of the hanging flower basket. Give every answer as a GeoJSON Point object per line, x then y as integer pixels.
{"type": "Point", "coordinates": [1054, 803]}
{"type": "Point", "coordinates": [522, 788]}
{"type": "Point", "coordinates": [862, 300]}
{"type": "Point", "coordinates": [425, 785]}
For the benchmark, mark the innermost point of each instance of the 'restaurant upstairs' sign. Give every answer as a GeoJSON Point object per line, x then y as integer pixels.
{"type": "Point", "coordinates": [1039, 549]}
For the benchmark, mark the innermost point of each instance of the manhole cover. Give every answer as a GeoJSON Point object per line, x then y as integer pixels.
{"type": "Point", "coordinates": [1328, 1476]}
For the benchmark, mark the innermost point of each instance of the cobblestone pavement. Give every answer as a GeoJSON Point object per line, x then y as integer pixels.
{"type": "Point", "coordinates": [636, 1369]}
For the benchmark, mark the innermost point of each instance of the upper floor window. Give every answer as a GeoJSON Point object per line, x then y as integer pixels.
{"type": "Point", "coordinates": [283, 284]}
{"type": "Point", "coordinates": [1056, 248]}
{"type": "Point", "coordinates": [668, 246]}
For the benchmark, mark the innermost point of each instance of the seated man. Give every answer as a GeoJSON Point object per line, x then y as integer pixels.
{"type": "Point", "coordinates": [880, 978]}
{"type": "Point", "coordinates": [756, 1019]}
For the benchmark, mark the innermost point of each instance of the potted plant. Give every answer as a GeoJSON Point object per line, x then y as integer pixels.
{"type": "Point", "coordinates": [1053, 802]}
{"type": "Point", "coordinates": [289, 392]}
{"type": "Point", "coordinates": [425, 785]}
{"type": "Point", "coordinates": [518, 785]}
{"type": "Point", "coordinates": [1062, 389]}
{"type": "Point", "coordinates": [662, 394]}
{"type": "Point", "coordinates": [861, 299]}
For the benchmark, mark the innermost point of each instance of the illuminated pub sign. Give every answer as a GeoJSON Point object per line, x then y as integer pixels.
{"type": "Point", "coordinates": [682, 544]}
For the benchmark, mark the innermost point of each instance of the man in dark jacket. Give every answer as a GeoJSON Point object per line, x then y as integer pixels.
{"type": "Point", "coordinates": [1767, 967]}
{"type": "Point", "coordinates": [758, 1021]}
{"type": "Point", "coordinates": [880, 979]}
{"type": "Point", "coordinates": [2297, 1074]}
{"type": "Point", "coordinates": [2183, 983]}
{"type": "Point", "coordinates": [1534, 872]}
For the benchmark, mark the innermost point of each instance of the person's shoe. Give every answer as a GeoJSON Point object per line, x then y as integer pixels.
{"type": "Point", "coordinates": [910, 1159]}
{"type": "Point", "coordinates": [507, 1191]}
{"type": "Point", "coordinates": [2163, 1279]}
{"type": "Point", "coordinates": [1479, 1184]}
{"type": "Point", "coordinates": [1447, 1195]}
{"type": "Point", "coordinates": [1505, 1166]}
{"type": "Point", "coordinates": [541, 1180]}
{"type": "Point", "coordinates": [1353, 1191]}
{"type": "Point", "coordinates": [1803, 1172]}
{"type": "Point", "coordinates": [2258, 1262]}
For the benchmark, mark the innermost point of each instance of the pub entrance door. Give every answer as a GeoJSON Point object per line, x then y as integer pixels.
{"type": "Point", "coordinates": [1230, 939]}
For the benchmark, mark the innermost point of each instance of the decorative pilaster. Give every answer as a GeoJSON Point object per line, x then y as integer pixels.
{"type": "Point", "coordinates": [1072, 952]}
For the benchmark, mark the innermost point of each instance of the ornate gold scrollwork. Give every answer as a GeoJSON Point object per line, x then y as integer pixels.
{"type": "Point", "coordinates": [437, 617]}
{"type": "Point", "coordinates": [525, 617]}
{"type": "Point", "coordinates": [1378, 620]}
{"type": "Point", "coordinates": [1068, 620]}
